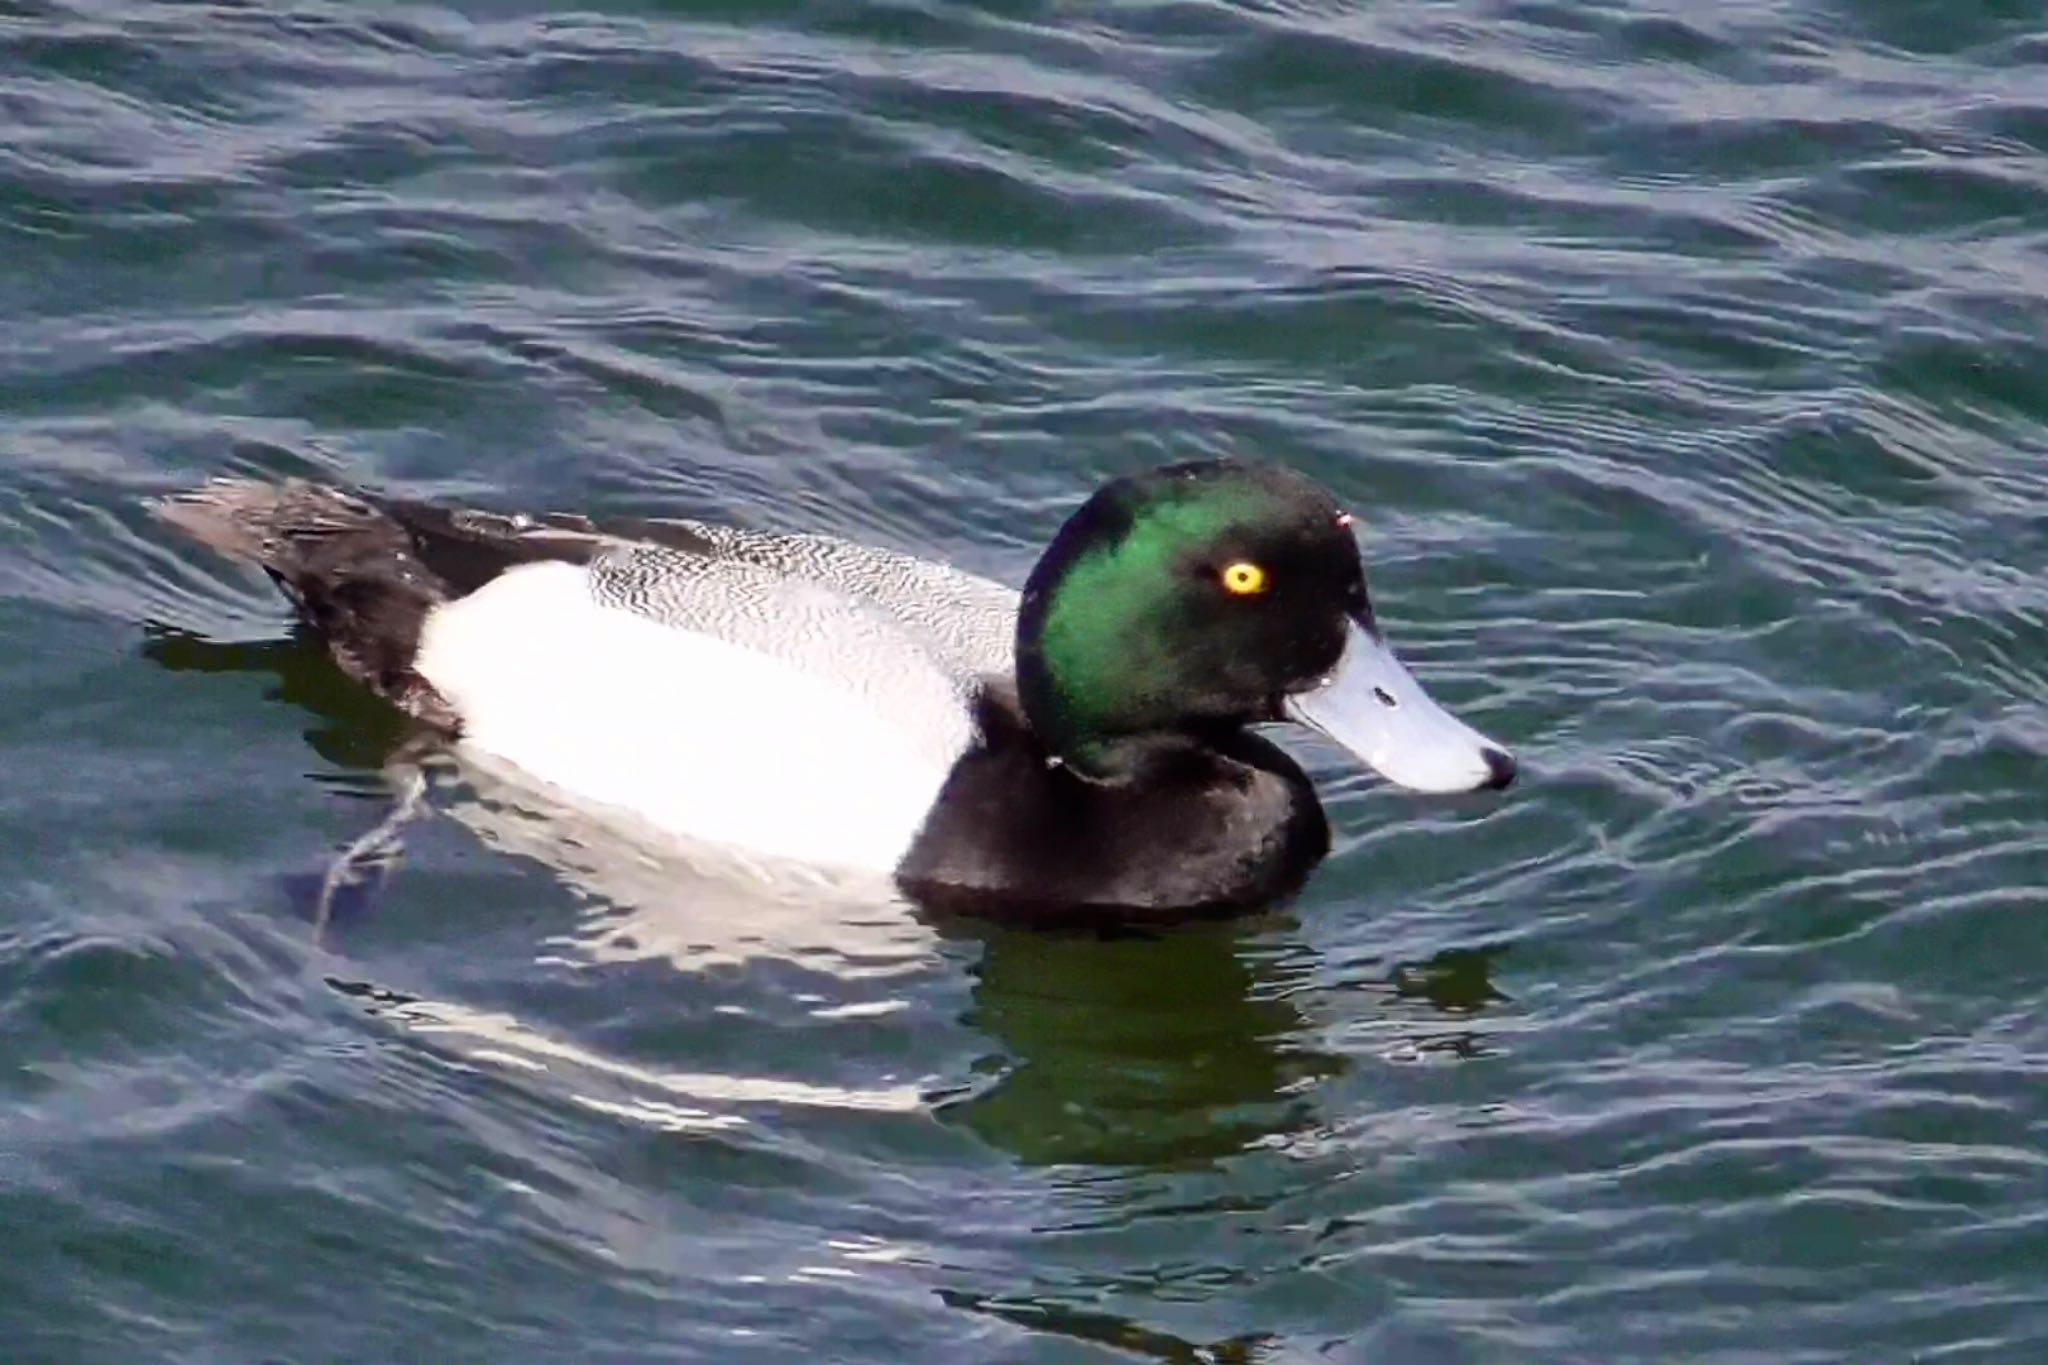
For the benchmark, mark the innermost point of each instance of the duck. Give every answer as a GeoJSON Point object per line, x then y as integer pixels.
{"type": "Point", "coordinates": [1084, 747]}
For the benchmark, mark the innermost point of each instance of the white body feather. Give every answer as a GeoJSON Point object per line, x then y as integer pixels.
{"type": "Point", "coordinates": [701, 736]}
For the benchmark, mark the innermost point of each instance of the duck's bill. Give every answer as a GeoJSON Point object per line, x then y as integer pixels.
{"type": "Point", "coordinates": [1373, 706]}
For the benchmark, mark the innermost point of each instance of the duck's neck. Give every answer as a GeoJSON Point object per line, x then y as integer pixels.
{"type": "Point", "coordinates": [1151, 756]}
{"type": "Point", "coordinates": [1080, 729]}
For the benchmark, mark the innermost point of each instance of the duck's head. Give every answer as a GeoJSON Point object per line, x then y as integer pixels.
{"type": "Point", "coordinates": [1186, 602]}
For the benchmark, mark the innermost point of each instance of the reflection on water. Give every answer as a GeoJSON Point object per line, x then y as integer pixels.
{"type": "Point", "coordinates": [651, 896]}
{"type": "Point", "coordinates": [1456, 984]}
{"type": "Point", "coordinates": [1142, 1050]}
{"type": "Point", "coordinates": [352, 728]}
{"type": "Point", "coordinates": [657, 1097]}
{"type": "Point", "coordinates": [1185, 1046]}
{"type": "Point", "coordinates": [1119, 1333]}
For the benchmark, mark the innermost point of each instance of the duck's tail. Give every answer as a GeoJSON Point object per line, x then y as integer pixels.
{"type": "Point", "coordinates": [270, 524]}
{"type": "Point", "coordinates": [348, 565]}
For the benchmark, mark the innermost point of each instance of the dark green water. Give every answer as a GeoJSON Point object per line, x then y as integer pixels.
{"type": "Point", "coordinates": [1689, 366]}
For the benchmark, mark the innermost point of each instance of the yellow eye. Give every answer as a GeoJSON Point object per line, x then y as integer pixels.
{"type": "Point", "coordinates": [1244, 578]}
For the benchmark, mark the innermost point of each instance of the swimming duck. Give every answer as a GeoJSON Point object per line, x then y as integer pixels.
{"type": "Point", "coordinates": [1081, 748]}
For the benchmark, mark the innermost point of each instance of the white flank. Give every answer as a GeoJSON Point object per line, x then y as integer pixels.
{"type": "Point", "coordinates": [692, 734]}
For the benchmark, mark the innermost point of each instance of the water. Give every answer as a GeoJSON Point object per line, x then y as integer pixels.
{"type": "Point", "coordinates": [1688, 366]}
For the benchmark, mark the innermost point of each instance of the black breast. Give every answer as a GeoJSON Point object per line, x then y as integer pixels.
{"type": "Point", "coordinates": [1197, 830]}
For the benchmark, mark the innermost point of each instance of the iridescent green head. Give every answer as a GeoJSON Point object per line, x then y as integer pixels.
{"type": "Point", "coordinates": [1184, 599]}
{"type": "Point", "coordinates": [1192, 600]}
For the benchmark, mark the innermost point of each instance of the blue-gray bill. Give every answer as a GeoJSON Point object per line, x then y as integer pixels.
{"type": "Point", "coordinates": [1373, 706]}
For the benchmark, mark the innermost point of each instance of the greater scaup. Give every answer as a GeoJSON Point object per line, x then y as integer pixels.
{"type": "Point", "coordinates": [1083, 749]}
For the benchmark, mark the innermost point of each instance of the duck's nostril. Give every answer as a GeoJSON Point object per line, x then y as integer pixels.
{"type": "Point", "coordinates": [1500, 768]}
